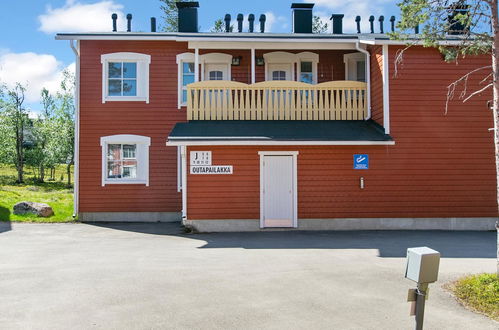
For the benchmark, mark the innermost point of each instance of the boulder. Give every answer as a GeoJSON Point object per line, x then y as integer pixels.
{"type": "Point", "coordinates": [39, 209]}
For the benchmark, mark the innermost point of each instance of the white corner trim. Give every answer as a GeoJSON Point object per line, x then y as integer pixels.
{"type": "Point", "coordinates": [143, 143]}
{"type": "Point", "coordinates": [294, 154]}
{"type": "Point", "coordinates": [386, 90]}
{"type": "Point", "coordinates": [143, 62]}
{"type": "Point", "coordinates": [183, 153]}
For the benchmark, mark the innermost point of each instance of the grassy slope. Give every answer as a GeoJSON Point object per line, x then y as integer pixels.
{"type": "Point", "coordinates": [54, 193]}
{"type": "Point", "coordinates": [479, 293]}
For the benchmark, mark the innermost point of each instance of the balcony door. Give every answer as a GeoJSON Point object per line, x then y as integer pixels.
{"type": "Point", "coordinates": [280, 71]}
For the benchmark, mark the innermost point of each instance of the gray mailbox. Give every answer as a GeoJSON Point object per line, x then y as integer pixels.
{"type": "Point", "coordinates": [422, 264]}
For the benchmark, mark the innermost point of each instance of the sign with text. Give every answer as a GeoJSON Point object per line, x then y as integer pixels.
{"type": "Point", "coordinates": [215, 169]}
{"type": "Point", "coordinates": [361, 162]}
{"type": "Point", "coordinates": [199, 158]}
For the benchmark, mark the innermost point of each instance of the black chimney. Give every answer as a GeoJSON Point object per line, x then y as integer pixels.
{"type": "Point", "coordinates": [302, 17]}
{"type": "Point", "coordinates": [128, 22]}
{"type": "Point", "coordinates": [187, 16]}
{"type": "Point", "coordinates": [371, 23]}
{"type": "Point", "coordinates": [381, 19]}
{"type": "Point", "coordinates": [262, 20]}
{"type": "Point", "coordinates": [227, 23]}
{"type": "Point", "coordinates": [357, 20]}
{"type": "Point", "coordinates": [153, 24]}
{"type": "Point", "coordinates": [240, 19]}
{"type": "Point", "coordinates": [392, 23]}
{"type": "Point", "coordinates": [114, 17]}
{"type": "Point", "coordinates": [337, 23]}
{"type": "Point", "coordinates": [251, 21]}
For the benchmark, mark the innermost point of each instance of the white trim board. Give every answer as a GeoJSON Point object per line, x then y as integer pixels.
{"type": "Point", "coordinates": [172, 142]}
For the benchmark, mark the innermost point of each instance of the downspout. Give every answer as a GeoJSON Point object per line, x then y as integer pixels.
{"type": "Point", "coordinates": [368, 77]}
{"type": "Point", "coordinates": [76, 51]}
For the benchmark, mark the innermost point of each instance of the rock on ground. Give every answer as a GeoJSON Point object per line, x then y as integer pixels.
{"type": "Point", "coordinates": [40, 209]}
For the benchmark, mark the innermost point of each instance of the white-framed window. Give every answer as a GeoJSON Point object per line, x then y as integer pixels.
{"type": "Point", "coordinates": [125, 77]}
{"type": "Point", "coordinates": [214, 66]}
{"type": "Point", "coordinates": [281, 66]}
{"type": "Point", "coordinates": [125, 159]}
{"type": "Point", "coordinates": [186, 76]}
{"type": "Point", "coordinates": [355, 66]}
{"type": "Point", "coordinates": [307, 67]}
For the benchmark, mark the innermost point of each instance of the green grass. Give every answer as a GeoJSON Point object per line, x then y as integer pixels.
{"type": "Point", "coordinates": [479, 292]}
{"type": "Point", "coordinates": [54, 193]}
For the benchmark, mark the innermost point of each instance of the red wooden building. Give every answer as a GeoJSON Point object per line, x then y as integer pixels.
{"type": "Point", "coordinates": [250, 130]}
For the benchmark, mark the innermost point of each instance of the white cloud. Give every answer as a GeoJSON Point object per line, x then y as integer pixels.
{"type": "Point", "coordinates": [352, 8]}
{"type": "Point", "coordinates": [78, 17]}
{"type": "Point", "coordinates": [35, 71]}
{"type": "Point", "coordinates": [275, 23]}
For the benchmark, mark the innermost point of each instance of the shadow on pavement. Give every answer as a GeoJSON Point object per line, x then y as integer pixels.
{"type": "Point", "coordinates": [451, 244]}
{"type": "Point", "coordinates": [4, 219]}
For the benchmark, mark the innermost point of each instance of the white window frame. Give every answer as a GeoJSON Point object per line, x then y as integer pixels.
{"type": "Point", "coordinates": [350, 61]}
{"type": "Point", "coordinates": [210, 58]}
{"type": "Point", "coordinates": [294, 60]}
{"type": "Point", "coordinates": [215, 58]}
{"type": "Point", "coordinates": [142, 155]}
{"type": "Point", "coordinates": [181, 59]}
{"type": "Point", "coordinates": [143, 62]}
{"type": "Point", "coordinates": [307, 57]}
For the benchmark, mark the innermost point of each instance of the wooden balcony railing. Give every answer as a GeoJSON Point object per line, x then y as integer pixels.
{"type": "Point", "coordinates": [276, 100]}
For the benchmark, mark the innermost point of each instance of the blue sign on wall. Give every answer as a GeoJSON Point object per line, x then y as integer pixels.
{"type": "Point", "coordinates": [361, 162]}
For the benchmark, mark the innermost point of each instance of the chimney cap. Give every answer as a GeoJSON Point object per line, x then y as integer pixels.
{"type": "Point", "coordinates": [338, 16]}
{"type": "Point", "coordinates": [187, 4]}
{"type": "Point", "coordinates": [302, 5]}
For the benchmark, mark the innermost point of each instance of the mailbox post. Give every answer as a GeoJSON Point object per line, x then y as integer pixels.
{"type": "Point", "coordinates": [422, 268]}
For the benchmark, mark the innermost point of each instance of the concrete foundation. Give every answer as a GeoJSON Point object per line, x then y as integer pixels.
{"type": "Point", "coordinates": [478, 224]}
{"type": "Point", "coordinates": [130, 216]}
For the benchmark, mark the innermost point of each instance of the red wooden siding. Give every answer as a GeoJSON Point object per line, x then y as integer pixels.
{"type": "Point", "coordinates": [441, 166]}
{"type": "Point", "coordinates": [376, 60]}
{"type": "Point", "coordinates": [155, 120]}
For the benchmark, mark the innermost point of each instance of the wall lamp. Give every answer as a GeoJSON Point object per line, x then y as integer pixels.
{"type": "Point", "coordinates": [260, 61]}
{"type": "Point", "coordinates": [236, 61]}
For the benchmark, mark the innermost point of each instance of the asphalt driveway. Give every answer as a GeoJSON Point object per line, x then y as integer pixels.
{"type": "Point", "coordinates": [150, 276]}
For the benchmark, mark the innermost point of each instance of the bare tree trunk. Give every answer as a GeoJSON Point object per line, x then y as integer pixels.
{"type": "Point", "coordinates": [42, 173]}
{"type": "Point", "coordinates": [495, 107]}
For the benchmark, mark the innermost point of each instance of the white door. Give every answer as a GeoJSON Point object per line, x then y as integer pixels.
{"type": "Point", "coordinates": [279, 72]}
{"type": "Point", "coordinates": [216, 72]}
{"type": "Point", "coordinates": [278, 191]}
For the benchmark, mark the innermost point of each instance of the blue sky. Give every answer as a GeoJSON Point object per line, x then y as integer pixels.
{"type": "Point", "coordinates": [30, 54]}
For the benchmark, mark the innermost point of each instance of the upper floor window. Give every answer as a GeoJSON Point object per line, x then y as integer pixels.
{"type": "Point", "coordinates": [187, 78]}
{"type": "Point", "coordinates": [125, 159]}
{"type": "Point", "coordinates": [355, 66]}
{"type": "Point", "coordinates": [278, 75]}
{"type": "Point", "coordinates": [125, 77]}
{"type": "Point", "coordinates": [214, 66]}
{"type": "Point", "coordinates": [306, 73]}
{"type": "Point", "coordinates": [283, 65]}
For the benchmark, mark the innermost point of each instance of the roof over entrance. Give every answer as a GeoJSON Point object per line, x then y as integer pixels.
{"type": "Point", "coordinates": [262, 132]}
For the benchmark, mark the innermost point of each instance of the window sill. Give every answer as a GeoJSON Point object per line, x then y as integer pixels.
{"type": "Point", "coordinates": [125, 99]}
{"type": "Point", "coordinates": [126, 182]}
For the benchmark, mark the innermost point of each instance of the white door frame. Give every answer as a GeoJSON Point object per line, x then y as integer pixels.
{"type": "Point", "coordinates": [294, 154]}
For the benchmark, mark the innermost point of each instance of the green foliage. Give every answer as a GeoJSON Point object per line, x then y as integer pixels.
{"type": "Point", "coordinates": [318, 26]}
{"type": "Point", "coordinates": [480, 293]}
{"type": "Point", "coordinates": [56, 194]}
{"type": "Point", "coordinates": [433, 17]}
{"type": "Point", "coordinates": [170, 15]}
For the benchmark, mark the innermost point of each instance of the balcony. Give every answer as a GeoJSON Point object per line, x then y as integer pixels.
{"type": "Point", "coordinates": [276, 100]}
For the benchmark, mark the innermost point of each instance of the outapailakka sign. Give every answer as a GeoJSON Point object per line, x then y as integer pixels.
{"type": "Point", "coordinates": [214, 169]}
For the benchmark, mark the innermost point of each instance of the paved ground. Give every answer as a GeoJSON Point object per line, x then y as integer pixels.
{"type": "Point", "coordinates": [149, 276]}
